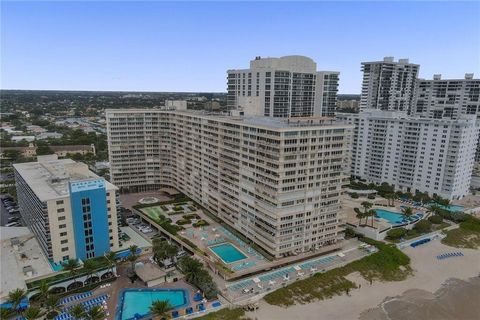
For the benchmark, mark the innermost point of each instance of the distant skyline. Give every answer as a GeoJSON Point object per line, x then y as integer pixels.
{"type": "Point", "coordinates": [188, 47]}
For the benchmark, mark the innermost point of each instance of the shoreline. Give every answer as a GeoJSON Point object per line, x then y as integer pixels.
{"type": "Point", "coordinates": [429, 274]}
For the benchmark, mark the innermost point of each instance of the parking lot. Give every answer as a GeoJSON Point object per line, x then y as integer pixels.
{"type": "Point", "coordinates": [8, 218]}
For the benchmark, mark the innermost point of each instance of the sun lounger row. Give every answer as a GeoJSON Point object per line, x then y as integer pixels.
{"type": "Point", "coordinates": [76, 297]}
{"type": "Point", "coordinates": [449, 255]}
{"type": "Point", "coordinates": [316, 263]}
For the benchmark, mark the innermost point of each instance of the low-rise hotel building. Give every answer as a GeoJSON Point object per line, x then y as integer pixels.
{"type": "Point", "coordinates": [276, 181]}
{"type": "Point", "coordinates": [70, 210]}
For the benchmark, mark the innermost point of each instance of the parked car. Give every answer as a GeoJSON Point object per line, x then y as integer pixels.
{"type": "Point", "coordinates": [13, 224]}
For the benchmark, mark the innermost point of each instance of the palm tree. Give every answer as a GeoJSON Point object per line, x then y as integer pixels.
{"type": "Point", "coordinates": [360, 215]}
{"type": "Point", "coordinates": [112, 260]}
{"type": "Point", "coordinates": [163, 250]}
{"type": "Point", "coordinates": [133, 249]}
{"type": "Point", "coordinates": [77, 312]}
{"type": "Point", "coordinates": [53, 305]}
{"type": "Point", "coordinates": [6, 313]}
{"type": "Point", "coordinates": [31, 313]}
{"type": "Point", "coordinates": [95, 313]}
{"type": "Point", "coordinates": [366, 206]}
{"type": "Point", "coordinates": [407, 212]}
{"type": "Point", "coordinates": [372, 214]}
{"type": "Point", "coordinates": [89, 268]}
{"type": "Point", "coordinates": [43, 291]}
{"type": "Point", "coordinates": [15, 297]}
{"type": "Point", "coordinates": [71, 265]}
{"type": "Point", "coordinates": [160, 308]}
{"type": "Point", "coordinates": [191, 268]}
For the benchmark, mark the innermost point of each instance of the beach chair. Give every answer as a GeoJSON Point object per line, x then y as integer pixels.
{"type": "Point", "coordinates": [175, 314]}
{"type": "Point", "coordinates": [189, 310]}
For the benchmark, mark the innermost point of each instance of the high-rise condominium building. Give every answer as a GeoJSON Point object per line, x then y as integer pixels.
{"type": "Point", "coordinates": [283, 87]}
{"type": "Point", "coordinates": [277, 181]}
{"type": "Point", "coordinates": [412, 153]}
{"type": "Point", "coordinates": [389, 85]}
{"type": "Point", "coordinates": [448, 98]}
{"type": "Point", "coordinates": [71, 211]}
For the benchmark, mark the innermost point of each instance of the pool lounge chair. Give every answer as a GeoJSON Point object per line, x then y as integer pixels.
{"type": "Point", "coordinates": [198, 297]}
{"type": "Point", "coordinates": [216, 304]}
{"type": "Point", "coordinates": [175, 314]}
{"type": "Point", "coordinates": [189, 310]}
{"type": "Point", "coordinates": [201, 307]}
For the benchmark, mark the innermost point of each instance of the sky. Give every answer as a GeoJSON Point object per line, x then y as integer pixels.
{"type": "Point", "coordinates": [188, 46]}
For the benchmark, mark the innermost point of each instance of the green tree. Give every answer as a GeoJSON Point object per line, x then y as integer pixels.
{"type": "Point", "coordinates": [132, 258]}
{"type": "Point", "coordinates": [111, 259]}
{"type": "Point", "coordinates": [43, 150]}
{"type": "Point", "coordinates": [53, 305]}
{"type": "Point", "coordinates": [163, 250]}
{"type": "Point", "coordinates": [160, 308]}
{"type": "Point", "coordinates": [43, 291]}
{"type": "Point", "coordinates": [366, 207]}
{"type": "Point", "coordinates": [6, 313]}
{"type": "Point", "coordinates": [360, 215]}
{"type": "Point", "coordinates": [407, 211]}
{"type": "Point", "coordinates": [89, 269]}
{"type": "Point", "coordinates": [396, 233]}
{"type": "Point", "coordinates": [423, 226]}
{"type": "Point", "coordinates": [95, 313]}
{"type": "Point", "coordinates": [190, 268]}
{"type": "Point", "coordinates": [71, 265]}
{"type": "Point", "coordinates": [31, 313]}
{"type": "Point", "coordinates": [78, 312]}
{"type": "Point", "coordinates": [15, 297]}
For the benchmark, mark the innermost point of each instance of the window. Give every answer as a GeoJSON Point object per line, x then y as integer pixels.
{"type": "Point", "coordinates": [62, 226]}
{"type": "Point", "coordinates": [61, 218]}
{"type": "Point", "coordinates": [63, 234]}
{"type": "Point", "coordinates": [60, 210]}
{"type": "Point", "coordinates": [64, 249]}
{"type": "Point", "coordinates": [64, 241]}
{"type": "Point", "coordinates": [59, 202]}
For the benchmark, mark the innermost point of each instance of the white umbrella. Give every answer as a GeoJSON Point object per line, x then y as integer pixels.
{"type": "Point", "coordinates": [256, 280]}
{"type": "Point", "coordinates": [297, 268]}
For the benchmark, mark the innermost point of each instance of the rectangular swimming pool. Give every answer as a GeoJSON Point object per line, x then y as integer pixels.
{"type": "Point", "coordinates": [135, 303]}
{"type": "Point", "coordinates": [228, 252]}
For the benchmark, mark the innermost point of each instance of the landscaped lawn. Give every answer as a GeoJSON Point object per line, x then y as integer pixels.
{"type": "Point", "coordinates": [154, 212]}
{"type": "Point", "coordinates": [388, 264]}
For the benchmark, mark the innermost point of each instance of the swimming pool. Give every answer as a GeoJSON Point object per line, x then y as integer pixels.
{"type": "Point", "coordinates": [396, 218]}
{"type": "Point", "coordinates": [135, 303]}
{"type": "Point", "coordinates": [228, 252]}
{"type": "Point", "coordinates": [451, 207]}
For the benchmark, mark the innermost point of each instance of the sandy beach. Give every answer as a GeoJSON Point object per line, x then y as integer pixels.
{"type": "Point", "coordinates": [433, 282]}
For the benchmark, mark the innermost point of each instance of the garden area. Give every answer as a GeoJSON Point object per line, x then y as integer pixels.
{"type": "Point", "coordinates": [433, 223]}
{"type": "Point", "coordinates": [388, 264]}
{"type": "Point", "coordinates": [174, 215]}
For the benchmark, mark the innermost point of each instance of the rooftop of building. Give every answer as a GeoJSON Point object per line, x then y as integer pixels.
{"type": "Point", "coordinates": [49, 177]}
{"type": "Point", "coordinates": [21, 259]}
{"type": "Point", "coordinates": [270, 123]}
{"type": "Point", "coordinates": [399, 115]}
{"type": "Point", "coordinates": [391, 60]}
